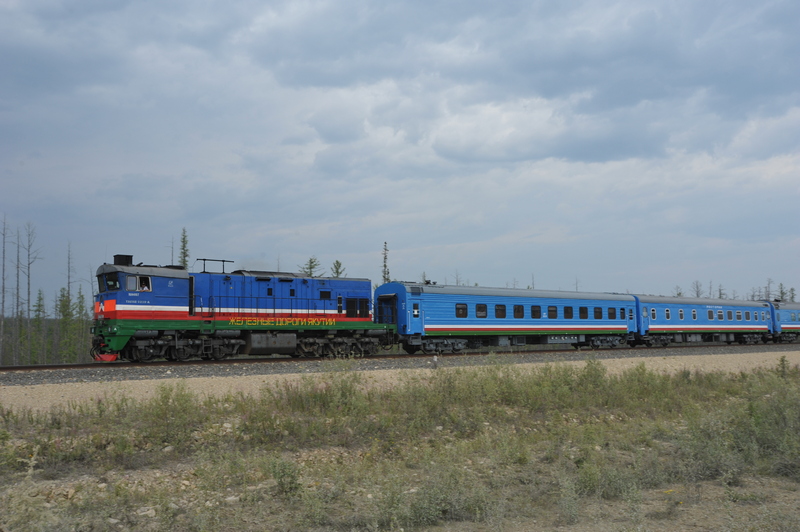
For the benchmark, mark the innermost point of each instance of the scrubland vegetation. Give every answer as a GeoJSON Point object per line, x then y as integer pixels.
{"type": "Point", "coordinates": [493, 447]}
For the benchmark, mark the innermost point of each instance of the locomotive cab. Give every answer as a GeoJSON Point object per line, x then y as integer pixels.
{"type": "Point", "coordinates": [125, 317]}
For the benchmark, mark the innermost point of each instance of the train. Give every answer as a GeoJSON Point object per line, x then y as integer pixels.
{"type": "Point", "coordinates": [147, 312]}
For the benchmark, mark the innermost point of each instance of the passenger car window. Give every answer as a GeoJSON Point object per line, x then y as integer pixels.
{"type": "Point", "coordinates": [461, 310]}
{"type": "Point", "coordinates": [568, 311]}
{"type": "Point", "coordinates": [499, 311]}
{"type": "Point", "coordinates": [536, 312]}
{"type": "Point", "coordinates": [552, 312]}
{"type": "Point", "coordinates": [480, 310]}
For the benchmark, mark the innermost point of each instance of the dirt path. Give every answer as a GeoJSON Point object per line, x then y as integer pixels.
{"type": "Point", "coordinates": [45, 396]}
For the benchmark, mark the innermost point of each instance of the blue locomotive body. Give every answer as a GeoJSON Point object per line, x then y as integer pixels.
{"type": "Point", "coordinates": [146, 312]}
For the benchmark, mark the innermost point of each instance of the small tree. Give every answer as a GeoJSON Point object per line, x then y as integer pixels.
{"type": "Point", "coordinates": [721, 294]}
{"type": "Point", "coordinates": [697, 289]}
{"type": "Point", "coordinates": [183, 255]}
{"type": "Point", "coordinates": [311, 267]}
{"type": "Point", "coordinates": [38, 331]}
{"type": "Point", "coordinates": [386, 276]}
{"type": "Point", "coordinates": [64, 314]}
{"type": "Point", "coordinates": [677, 291]}
{"type": "Point", "coordinates": [337, 270]}
{"type": "Point", "coordinates": [783, 293]}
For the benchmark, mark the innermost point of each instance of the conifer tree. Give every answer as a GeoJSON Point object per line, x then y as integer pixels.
{"type": "Point", "coordinates": [337, 270]}
{"type": "Point", "coordinates": [183, 257]}
{"type": "Point", "coordinates": [386, 276]}
{"type": "Point", "coordinates": [311, 267]}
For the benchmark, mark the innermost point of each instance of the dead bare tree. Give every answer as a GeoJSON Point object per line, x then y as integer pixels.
{"type": "Point", "coordinates": [3, 293]}
{"type": "Point", "coordinates": [31, 256]}
{"type": "Point", "coordinates": [697, 289]}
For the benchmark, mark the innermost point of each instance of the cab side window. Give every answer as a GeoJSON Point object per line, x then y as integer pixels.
{"type": "Point", "coordinates": [135, 283]}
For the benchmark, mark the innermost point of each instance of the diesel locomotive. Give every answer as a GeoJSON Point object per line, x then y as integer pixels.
{"type": "Point", "coordinates": [146, 312]}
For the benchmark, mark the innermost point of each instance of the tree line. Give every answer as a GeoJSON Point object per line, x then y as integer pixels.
{"type": "Point", "coordinates": [35, 329]}
{"type": "Point", "coordinates": [770, 291]}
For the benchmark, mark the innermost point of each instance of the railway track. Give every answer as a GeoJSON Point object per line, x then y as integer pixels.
{"type": "Point", "coordinates": [598, 353]}
{"type": "Point", "coordinates": [123, 371]}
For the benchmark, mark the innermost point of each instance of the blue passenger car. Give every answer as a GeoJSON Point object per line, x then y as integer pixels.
{"type": "Point", "coordinates": [450, 318]}
{"type": "Point", "coordinates": [663, 320]}
{"type": "Point", "coordinates": [787, 321]}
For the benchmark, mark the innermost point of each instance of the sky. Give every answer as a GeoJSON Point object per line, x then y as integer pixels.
{"type": "Point", "coordinates": [610, 146]}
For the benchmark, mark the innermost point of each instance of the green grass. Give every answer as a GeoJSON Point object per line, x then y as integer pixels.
{"type": "Point", "coordinates": [481, 445]}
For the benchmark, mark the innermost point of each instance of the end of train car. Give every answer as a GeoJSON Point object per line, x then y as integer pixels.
{"type": "Point", "coordinates": [665, 320]}
{"type": "Point", "coordinates": [146, 312]}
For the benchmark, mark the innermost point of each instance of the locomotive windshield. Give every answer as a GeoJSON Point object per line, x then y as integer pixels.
{"type": "Point", "coordinates": [109, 281]}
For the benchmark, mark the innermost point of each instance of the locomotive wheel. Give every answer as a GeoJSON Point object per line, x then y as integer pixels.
{"type": "Point", "coordinates": [410, 349]}
{"type": "Point", "coordinates": [180, 354]}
